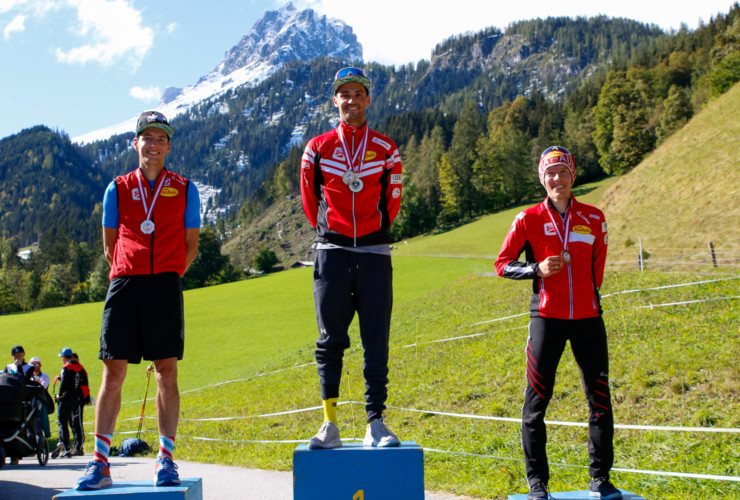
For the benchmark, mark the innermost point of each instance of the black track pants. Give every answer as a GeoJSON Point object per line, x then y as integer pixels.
{"type": "Point", "coordinates": [545, 345]}
{"type": "Point", "coordinates": [346, 282]}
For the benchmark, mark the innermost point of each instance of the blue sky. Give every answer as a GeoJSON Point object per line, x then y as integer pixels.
{"type": "Point", "coordinates": [82, 65]}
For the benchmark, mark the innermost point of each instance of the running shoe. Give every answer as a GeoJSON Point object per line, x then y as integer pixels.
{"type": "Point", "coordinates": [165, 472]}
{"type": "Point", "coordinates": [538, 490]}
{"type": "Point", "coordinates": [378, 434]}
{"type": "Point", "coordinates": [327, 437]}
{"type": "Point", "coordinates": [601, 487]}
{"type": "Point", "coordinates": [96, 476]}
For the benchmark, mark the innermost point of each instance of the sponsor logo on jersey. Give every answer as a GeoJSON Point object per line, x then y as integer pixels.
{"type": "Point", "coordinates": [135, 194]}
{"type": "Point", "coordinates": [603, 227]}
{"type": "Point", "coordinates": [396, 193]}
{"type": "Point", "coordinates": [169, 192]}
{"type": "Point", "coordinates": [370, 155]}
{"type": "Point", "coordinates": [382, 143]}
{"type": "Point", "coordinates": [396, 178]}
{"type": "Point", "coordinates": [606, 239]}
{"type": "Point", "coordinates": [582, 229]}
{"type": "Point", "coordinates": [550, 229]}
{"type": "Point", "coordinates": [338, 154]}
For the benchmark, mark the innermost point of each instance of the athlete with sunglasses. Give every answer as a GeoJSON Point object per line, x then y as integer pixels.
{"type": "Point", "coordinates": [351, 188]}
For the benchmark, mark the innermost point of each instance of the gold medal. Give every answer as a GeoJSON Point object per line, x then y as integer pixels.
{"type": "Point", "coordinates": [566, 256]}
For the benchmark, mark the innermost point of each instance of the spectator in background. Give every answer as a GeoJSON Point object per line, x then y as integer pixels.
{"type": "Point", "coordinates": [43, 379]}
{"type": "Point", "coordinates": [71, 392]}
{"type": "Point", "coordinates": [19, 364]}
{"type": "Point", "coordinates": [77, 415]}
{"type": "Point", "coordinates": [39, 376]}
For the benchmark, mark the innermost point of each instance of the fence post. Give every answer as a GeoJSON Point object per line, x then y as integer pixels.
{"type": "Point", "coordinates": [711, 251]}
{"type": "Point", "coordinates": [639, 258]}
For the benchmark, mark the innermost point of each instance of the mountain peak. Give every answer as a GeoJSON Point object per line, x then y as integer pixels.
{"type": "Point", "coordinates": [287, 34]}
{"type": "Point", "coordinates": [278, 37]}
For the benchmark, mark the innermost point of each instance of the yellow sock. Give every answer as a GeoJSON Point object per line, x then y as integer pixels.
{"type": "Point", "coordinates": [330, 409]}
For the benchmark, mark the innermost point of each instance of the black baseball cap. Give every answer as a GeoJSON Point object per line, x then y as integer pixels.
{"type": "Point", "coordinates": [17, 349]}
{"type": "Point", "coordinates": [149, 119]}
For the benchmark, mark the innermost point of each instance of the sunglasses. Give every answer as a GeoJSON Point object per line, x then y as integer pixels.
{"type": "Point", "coordinates": [344, 72]}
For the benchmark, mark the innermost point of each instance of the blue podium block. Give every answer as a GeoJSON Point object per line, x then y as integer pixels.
{"type": "Point", "coordinates": [357, 472]}
{"type": "Point", "coordinates": [578, 495]}
{"type": "Point", "coordinates": [188, 489]}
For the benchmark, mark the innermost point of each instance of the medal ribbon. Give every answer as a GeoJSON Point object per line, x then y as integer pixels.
{"type": "Point", "coordinates": [149, 211]}
{"type": "Point", "coordinates": [363, 147]}
{"type": "Point", "coordinates": [564, 241]}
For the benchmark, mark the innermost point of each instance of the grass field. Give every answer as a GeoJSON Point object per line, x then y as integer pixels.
{"type": "Point", "coordinates": [457, 345]}
{"type": "Point", "coordinates": [671, 366]}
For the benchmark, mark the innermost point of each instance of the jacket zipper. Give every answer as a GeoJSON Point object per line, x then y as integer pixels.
{"type": "Point", "coordinates": [151, 246]}
{"type": "Point", "coordinates": [354, 218]}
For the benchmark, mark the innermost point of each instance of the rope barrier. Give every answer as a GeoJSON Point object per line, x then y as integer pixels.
{"type": "Point", "coordinates": [687, 475]}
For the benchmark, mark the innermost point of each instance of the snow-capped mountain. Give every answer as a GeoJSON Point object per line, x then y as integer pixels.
{"type": "Point", "coordinates": [278, 37]}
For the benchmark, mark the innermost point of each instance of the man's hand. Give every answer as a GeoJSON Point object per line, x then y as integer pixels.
{"type": "Point", "coordinates": [550, 266]}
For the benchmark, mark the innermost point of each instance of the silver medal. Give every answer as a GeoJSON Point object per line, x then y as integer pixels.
{"type": "Point", "coordinates": [147, 227]}
{"type": "Point", "coordinates": [566, 256]}
{"type": "Point", "coordinates": [348, 177]}
{"type": "Point", "coordinates": [356, 185]}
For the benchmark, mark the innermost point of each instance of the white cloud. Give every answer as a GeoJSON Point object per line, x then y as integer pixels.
{"type": "Point", "coordinates": [171, 28]}
{"type": "Point", "coordinates": [17, 25]}
{"type": "Point", "coordinates": [148, 94]}
{"type": "Point", "coordinates": [8, 5]}
{"type": "Point", "coordinates": [115, 31]}
{"type": "Point", "coordinates": [398, 32]}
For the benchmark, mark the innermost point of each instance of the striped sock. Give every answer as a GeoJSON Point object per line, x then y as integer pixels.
{"type": "Point", "coordinates": [102, 447]}
{"type": "Point", "coordinates": [166, 446]}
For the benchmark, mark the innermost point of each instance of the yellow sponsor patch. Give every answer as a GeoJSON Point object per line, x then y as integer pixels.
{"type": "Point", "coordinates": [169, 192]}
{"type": "Point", "coordinates": [582, 229]}
{"type": "Point", "coordinates": [370, 155]}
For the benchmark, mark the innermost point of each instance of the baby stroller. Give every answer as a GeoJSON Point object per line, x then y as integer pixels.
{"type": "Point", "coordinates": [20, 430]}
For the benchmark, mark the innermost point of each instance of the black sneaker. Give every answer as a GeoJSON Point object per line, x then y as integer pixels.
{"type": "Point", "coordinates": [538, 491]}
{"type": "Point", "coordinates": [57, 451]}
{"type": "Point", "coordinates": [601, 487]}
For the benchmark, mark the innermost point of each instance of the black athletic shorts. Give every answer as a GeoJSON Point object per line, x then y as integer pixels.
{"type": "Point", "coordinates": [143, 317]}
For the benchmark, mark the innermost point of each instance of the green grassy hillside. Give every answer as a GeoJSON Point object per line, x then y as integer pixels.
{"type": "Point", "coordinates": [684, 195]}
{"type": "Point", "coordinates": [457, 345]}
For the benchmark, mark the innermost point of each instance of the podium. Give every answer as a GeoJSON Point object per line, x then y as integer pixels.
{"type": "Point", "coordinates": [578, 495]}
{"type": "Point", "coordinates": [357, 472]}
{"type": "Point", "coordinates": [188, 489]}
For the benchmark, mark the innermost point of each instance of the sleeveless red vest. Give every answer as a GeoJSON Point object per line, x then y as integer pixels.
{"type": "Point", "coordinates": [163, 250]}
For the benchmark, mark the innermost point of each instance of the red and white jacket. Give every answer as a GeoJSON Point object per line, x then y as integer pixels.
{"type": "Point", "coordinates": [163, 250]}
{"type": "Point", "coordinates": [573, 292]}
{"type": "Point", "coordinates": [341, 216]}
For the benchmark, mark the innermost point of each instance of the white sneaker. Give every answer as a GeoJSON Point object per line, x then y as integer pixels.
{"type": "Point", "coordinates": [378, 434]}
{"type": "Point", "coordinates": [327, 437]}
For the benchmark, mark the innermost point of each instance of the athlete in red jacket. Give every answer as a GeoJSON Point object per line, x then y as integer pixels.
{"type": "Point", "coordinates": [351, 190]}
{"type": "Point", "coordinates": [564, 243]}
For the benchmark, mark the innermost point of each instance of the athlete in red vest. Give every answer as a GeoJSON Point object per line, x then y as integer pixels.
{"type": "Point", "coordinates": [351, 188]}
{"type": "Point", "coordinates": [564, 243]}
{"type": "Point", "coordinates": [151, 224]}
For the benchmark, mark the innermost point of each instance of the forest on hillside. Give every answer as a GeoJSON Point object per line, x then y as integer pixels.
{"type": "Point", "coordinates": [467, 153]}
